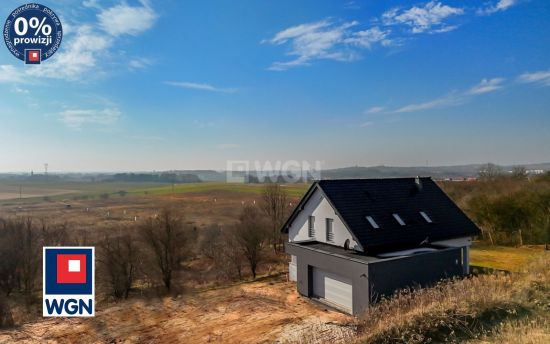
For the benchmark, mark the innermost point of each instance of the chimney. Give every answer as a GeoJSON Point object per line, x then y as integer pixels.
{"type": "Point", "coordinates": [418, 183]}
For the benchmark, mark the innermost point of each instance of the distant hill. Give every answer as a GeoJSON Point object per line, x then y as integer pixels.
{"type": "Point", "coordinates": [205, 175]}
{"type": "Point", "coordinates": [438, 172]}
{"type": "Point", "coordinates": [195, 176]}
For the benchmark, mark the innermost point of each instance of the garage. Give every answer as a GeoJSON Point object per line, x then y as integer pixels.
{"type": "Point", "coordinates": [333, 289]}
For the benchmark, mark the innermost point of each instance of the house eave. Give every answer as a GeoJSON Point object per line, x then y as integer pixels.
{"type": "Point", "coordinates": [305, 199]}
{"type": "Point", "coordinates": [299, 207]}
{"type": "Point", "coordinates": [361, 258]}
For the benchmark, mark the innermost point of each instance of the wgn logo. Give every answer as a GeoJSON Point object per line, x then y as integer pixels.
{"type": "Point", "coordinates": [68, 282]}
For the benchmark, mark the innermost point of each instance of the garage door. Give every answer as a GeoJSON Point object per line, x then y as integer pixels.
{"type": "Point", "coordinates": [333, 289]}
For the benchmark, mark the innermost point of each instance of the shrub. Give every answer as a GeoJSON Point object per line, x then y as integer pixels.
{"type": "Point", "coordinates": [6, 319]}
{"type": "Point", "coordinates": [119, 259]}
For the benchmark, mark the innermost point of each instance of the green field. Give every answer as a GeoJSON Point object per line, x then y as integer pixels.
{"type": "Point", "coordinates": [36, 191]}
{"type": "Point", "coordinates": [504, 258]}
{"type": "Point", "coordinates": [32, 191]}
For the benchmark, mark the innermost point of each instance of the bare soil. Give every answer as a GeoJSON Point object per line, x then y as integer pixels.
{"type": "Point", "coordinates": [258, 312]}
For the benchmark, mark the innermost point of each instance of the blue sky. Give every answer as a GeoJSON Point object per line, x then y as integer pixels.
{"type": "Point", "coordinates": [157, 85]}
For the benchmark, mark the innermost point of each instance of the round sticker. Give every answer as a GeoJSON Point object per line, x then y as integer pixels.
{"type": "Point", "coordinates": [33, 33]}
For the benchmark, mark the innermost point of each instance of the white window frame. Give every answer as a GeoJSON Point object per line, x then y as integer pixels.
{"type": "Point", "coordinates": [311, 226]}
{"type": "Point", "coordinates": [329, 224]}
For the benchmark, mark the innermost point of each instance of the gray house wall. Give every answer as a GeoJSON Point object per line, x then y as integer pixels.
{"type": "Point", "coordinates": [372, 277]}
{"type": "Point", "coordinates": [356, 271]}
{"type": "Point", "coordinates": [386, 276]}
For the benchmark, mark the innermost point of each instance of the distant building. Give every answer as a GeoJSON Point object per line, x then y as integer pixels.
{"type": "Point", "coordinates": [534, 172]}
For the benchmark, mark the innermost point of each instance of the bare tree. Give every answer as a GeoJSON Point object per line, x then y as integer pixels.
{"type": "Point", "coordinates": [6, 319]}
{"type": "Point", "coordinates": [29, 258]}
{"type": "Point", "coordinates": [21, 243]}
{"type": "Point", "coordinates": [232, 254]}
{"type": "Point", "coordinates": [211, 241]}
{"type": "Point", "coordinates": [250, 234]}
{"type": "Point", "coordinates": [275, 206]}
{"type": "Point", "coordinates": [8, 270]}
{"type": "Point", "coordinates": [54, 235]}
{"type": "Point", "coordinates": [519, 172]}
{"type": "Point", "coordinates": [167, 238]}
{"type": "Point", "coordinates": [223, 249]}
{"type": "Point", "coordinates": [8, 257]}
{"type": "Point", "coordinates": [118, 258]}
{"type": "Point", "coordinates": [490, 172]}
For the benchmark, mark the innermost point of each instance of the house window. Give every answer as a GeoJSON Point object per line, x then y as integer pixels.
{"type": "Point", "coordinates": [330, 232]}
{"type": "Point", "coordinates": [426, 217]}
{"type": "Point", "coordinates": [372, 222]}
{"type": "Point", "coordinates": [311, 227]}
{"type": "Point", "coordinates": [398, 219]}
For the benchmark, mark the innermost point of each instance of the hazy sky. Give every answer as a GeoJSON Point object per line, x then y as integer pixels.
{"type": "Point", "coordinates": [156, 85]}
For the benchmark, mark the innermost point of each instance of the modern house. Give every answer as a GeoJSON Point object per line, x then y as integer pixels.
{"type": "Point", "coordinates": [352, 241]}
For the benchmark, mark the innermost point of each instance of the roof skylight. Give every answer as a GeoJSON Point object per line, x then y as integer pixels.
{"type": "Point", "coordinates": [372, 222]}
{"type": "Point", "coordinates": [426, 217]}
{"type": "Point", "coordinates": [398, 219]}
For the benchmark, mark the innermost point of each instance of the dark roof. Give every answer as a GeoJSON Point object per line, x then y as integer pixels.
{"type": "Point", "coordinates": [355, 199]}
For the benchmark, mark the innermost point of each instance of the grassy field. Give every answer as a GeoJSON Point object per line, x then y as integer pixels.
{"type": "Point", "coordinates": [503, 258]}
{"type": "Point", "coordinates": [293, 190]}
{"type": "Point", "coordinates": [202, 204]}
{"type": "Point", "coordinates": [58, 191]}
{"type": "Point", "coordinates": [36, 191]}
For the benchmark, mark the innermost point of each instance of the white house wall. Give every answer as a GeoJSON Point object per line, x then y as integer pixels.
{"type": "Point", "coordinates": [318, 206]}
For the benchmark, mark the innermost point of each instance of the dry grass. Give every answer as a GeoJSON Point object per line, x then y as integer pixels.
{"type": "Point", "coordinates": [528, 331]}
{"type": "Point", "coordinates": [482, 307]}
{"type": "Point", "coordinates": [293, 190]}
{"type": "Point", "coordinates": [317, 331]}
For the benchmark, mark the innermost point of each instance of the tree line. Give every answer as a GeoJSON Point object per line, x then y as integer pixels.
{"type": "Point", "coordinates": [510, 208]}
{"type": "Point", "coordinates": [164, 177]}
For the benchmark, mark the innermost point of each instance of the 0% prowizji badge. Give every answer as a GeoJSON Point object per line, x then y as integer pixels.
{"type": "Point", "coordinates": [33, 33]}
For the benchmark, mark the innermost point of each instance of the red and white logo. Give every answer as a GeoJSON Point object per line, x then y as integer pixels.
{"type": "Point", "coordinates": [68, 282]}
{"type": "Point", "coordinates": [71, 268]}
{"type": "Point", "coordinates": [34, 55]}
